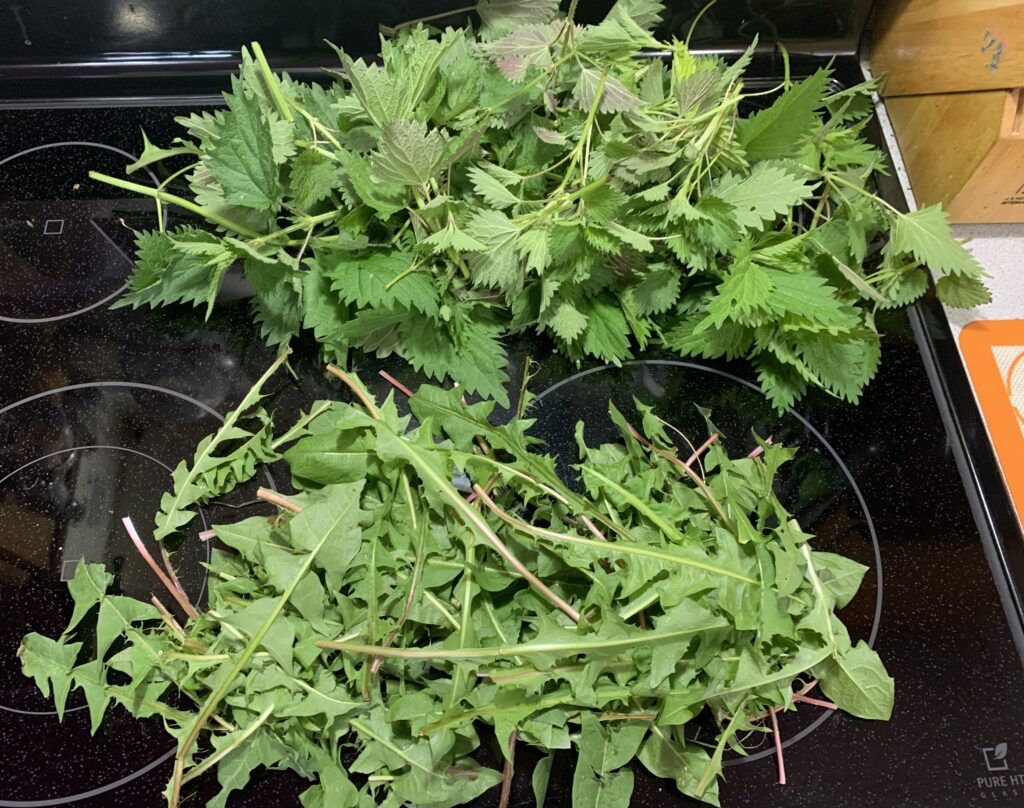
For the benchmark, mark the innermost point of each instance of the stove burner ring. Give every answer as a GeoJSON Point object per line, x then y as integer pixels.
{"type": "Point", "coordinates": [159, 756]}
{"type": "Point", "coordinates": [869, 522]}
{"type": "Point", "coordinates": [112, 295]}
{"type": "Point", "coordinates": [58, 453]}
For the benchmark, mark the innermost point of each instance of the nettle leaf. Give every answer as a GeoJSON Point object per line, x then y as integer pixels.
{"type": "Point", "coordinates": [746, 294]}
{"type": "Point", "coordinates": [605, 336]}
{"type": "Point", "coordinates": [380, 279]}
{"type": "Point", "coordinates": [534, 246]}
{"type": "Point", "coordinates": [907, 287]}
{"type": "Point", "coordinates": [408, 153]}
{"type": "Point", "coordinates": [279, 314]}
{"type": "Point", "coordinates": [529, 46]}
{"type": "Point", "coordinates": [491, 190]}
{"type": "Point", "coordinates": [242, 158]}
{"type": "Point", "coordinates": [766, 193]}
{"type": "Point", "coordinates": [962, 291]}
{"type": "Point", "coordinates": [549, 136]}
{"type": "Point", "coordinates": [656, 292]}
{"type": "Point", "coordinates": [450, 237]}
{"type": "Point", "coordinates": [506, 14]}
{"type": "Point", "coordinates": [614, 95]}
{"type": "Point", "coordinates": [325, 313]}
{"type": "Point", "coordinates": [568, 322]}
{"type": "Point", "coordinates": [166, 272]}
{"type": "Point", "coordinates": [645, 13]}
{"type": "Point", "coordinates": [925, 235]}
{"type": "Point", "coordinates": [311, 179]}
{"type": "Point", "coordinates": [477, 362]}
{"type": "Point", "coordinates": [387, 198]}
{"type": "Point", "coordinates": [774, 131]}
{"type": "Point", "coordinates": [155, 154]}
{"type": "Point", "coordinates": [498, 265]}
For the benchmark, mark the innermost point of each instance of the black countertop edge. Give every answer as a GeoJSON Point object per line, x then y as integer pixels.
{"type": "Point", "coordinates": [989, 499]}
{"type": "Point", "coordinates": [156, 82]}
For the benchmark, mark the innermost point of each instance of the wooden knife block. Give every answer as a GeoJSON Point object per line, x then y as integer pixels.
{"type": "Point", "coordinates": [945, 46]}
{"type": "Point", "coordinates": [965, 150]}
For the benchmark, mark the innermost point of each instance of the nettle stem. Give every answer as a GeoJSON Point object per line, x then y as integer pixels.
{"type": "Point", "coordinates": [172, 199]}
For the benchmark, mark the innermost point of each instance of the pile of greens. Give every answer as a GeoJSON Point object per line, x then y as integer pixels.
{"type": "Point", "coordinates": [536, 175]}
{"type": "Point", "coordinates": [366, 635]}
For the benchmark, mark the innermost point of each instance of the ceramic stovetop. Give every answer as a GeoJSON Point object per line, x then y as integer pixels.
{"type": "Point", "coordinates": [97, 404]}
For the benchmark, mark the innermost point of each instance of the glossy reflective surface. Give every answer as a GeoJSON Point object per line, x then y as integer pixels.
{"type": "Point", "coordinates": [94, 407]}
{"type": "Point", "coordinates": [153, 37]}
{"type": "Point", "coordinates": [64, 238]}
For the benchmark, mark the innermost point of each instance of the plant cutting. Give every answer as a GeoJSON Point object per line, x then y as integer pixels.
{"type": "Point", "coordinates": [434, 590]}
{"type": "Point", "coordinates": [535, 175]}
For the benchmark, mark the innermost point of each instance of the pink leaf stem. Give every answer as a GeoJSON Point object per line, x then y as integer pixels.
{"type": "Point", "coordinates": [165, 613]}
{"type": "Point", "coordinates": [166, 558]}
{"type": "Point", "coordinates": [179, 596]}
{"type": "Point", "coordinates": [828, 705]}
{"type": "Point", "coordinates": [701, 449]}
{"type": "Point", "coordinates": [778, 747]}
{"type": "Point", "coordinates": [394, 382]}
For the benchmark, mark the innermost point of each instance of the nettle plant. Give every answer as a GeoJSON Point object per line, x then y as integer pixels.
{"type": "Point", "coordinates": [536, 175]}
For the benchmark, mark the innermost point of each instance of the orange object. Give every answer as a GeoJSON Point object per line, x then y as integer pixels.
{"type": "Point", "coordinates": [993, 351]}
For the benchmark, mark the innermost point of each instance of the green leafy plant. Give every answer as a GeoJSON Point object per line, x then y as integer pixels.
{"type": "Point", "coordinates": [365, 635]}
{"type": "Point", "coordinates": [539, 176]}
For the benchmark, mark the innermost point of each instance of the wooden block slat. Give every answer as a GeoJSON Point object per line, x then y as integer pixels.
{"type": "Point", "coordinates": [965, 151]}
{"type": "Point", "coordinates": [941, 46]}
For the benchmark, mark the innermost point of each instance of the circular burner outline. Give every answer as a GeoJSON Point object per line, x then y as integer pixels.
{"type": "Point", "coordinates": [165, 467]}
{"type": "Point", "coordinates": [827, 714]}
{"type": "Point", "coordinates": [116, 292]}
{"type": "Point", "coordinates": [94, 792]}
{"type": "Point", "coordinates": [150, 766]}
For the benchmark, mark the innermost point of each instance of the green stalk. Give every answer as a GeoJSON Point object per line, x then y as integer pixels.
{"type": "Point", "coordinates": [643, 639]}
{"type": "Point", "coordinates": [273, 83]}
{"type": "Point", "coordinates": [619, 547]}
{"type": "Point", "coordinates": [178, 502]}
{"type": "Point", "coordinates": [459, 674]}
{"type": "Point", "coordinates": [638, 505]}
{"type": "Point", "coordinates": [247, 653]}
{"type": "Point", "coordinates": [715, 764]}
{"type": "Point", "coordinates": [296, 431]}
{"type": "Point", "coordinates": [160, 224]}
{"type": "Point", "coordinates": [172, 199]}
{"type": "Point", "coordinates": [222, 753]}
{"type": "Point", "coordinates": [819, 590]}
{"type": "Point", "coordinates": [372, 616]}
{"type": "Point", "coordinates": [307, 221]}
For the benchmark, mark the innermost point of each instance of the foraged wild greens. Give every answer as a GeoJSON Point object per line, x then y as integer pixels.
{"type": "Point", "coordinates": [369, 635]}
{"type": "Point", "coordinates": [537, 175]}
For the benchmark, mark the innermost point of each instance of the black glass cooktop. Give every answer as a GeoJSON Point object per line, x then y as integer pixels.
{"type": "Point", "coordinates": [98, 404]}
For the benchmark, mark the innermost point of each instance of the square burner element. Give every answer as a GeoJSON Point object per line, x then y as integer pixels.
{"type": "Point", "coordinates": [53, 227]}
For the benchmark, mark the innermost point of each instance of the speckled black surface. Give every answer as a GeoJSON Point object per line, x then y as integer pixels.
{"type": "Point", "coordinates": [95, 406]}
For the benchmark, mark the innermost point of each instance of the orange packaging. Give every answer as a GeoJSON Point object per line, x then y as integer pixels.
{"type": "Point", "coordinates": [993, 351]}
